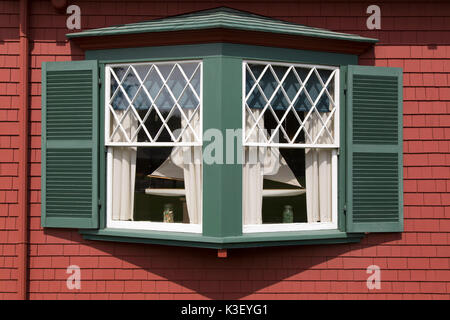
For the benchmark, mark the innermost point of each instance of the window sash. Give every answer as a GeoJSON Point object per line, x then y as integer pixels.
{"type": "Point", "coordinates": [335, 113]}
{"type": "Point", "coordinates": [305, 226]}
{"type": "Point", "coordinates": [175, 141]}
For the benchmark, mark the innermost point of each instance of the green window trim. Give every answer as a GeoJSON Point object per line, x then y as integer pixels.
{"type": "Point", "coordinates": [269, 239]}
{"type": "Point", "coordinates": [222, 220]}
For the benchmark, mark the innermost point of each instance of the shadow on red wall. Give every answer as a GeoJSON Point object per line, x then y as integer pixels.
{"type": "Point", "coordinates": [199, 271]}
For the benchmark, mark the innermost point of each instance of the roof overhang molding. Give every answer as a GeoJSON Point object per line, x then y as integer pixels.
{"type": "Point", "coordinates": [221, 25]}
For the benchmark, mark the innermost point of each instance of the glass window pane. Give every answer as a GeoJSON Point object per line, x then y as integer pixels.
{"type": "Point", "coordinates": [156, 101]}
{"type": "Point", "coordinates": [149, 184]}
{"type": "Point", "coordinates": [294, 98]}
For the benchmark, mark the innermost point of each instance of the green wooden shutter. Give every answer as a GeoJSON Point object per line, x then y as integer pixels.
{"type": "Point", "coordinates": [374, 149]}
{"type": "Point", "coordinates": [70, 144]}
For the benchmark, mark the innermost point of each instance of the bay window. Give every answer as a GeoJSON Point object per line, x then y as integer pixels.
{"type": "Point", "coordinates": [125, 134]}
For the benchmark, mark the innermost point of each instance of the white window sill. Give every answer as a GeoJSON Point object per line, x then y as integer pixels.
{"type": "Point", "coordinates": [155, 226]}
{"type": "Point", "coordinates": [280, 227]}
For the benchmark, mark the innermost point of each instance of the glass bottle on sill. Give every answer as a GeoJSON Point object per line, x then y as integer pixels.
{"type": "Point", "coordinates": [168, 215]}
{"type": "Point", "coordinates": [288, 214]}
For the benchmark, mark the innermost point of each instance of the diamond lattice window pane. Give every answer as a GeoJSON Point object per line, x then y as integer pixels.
{"type": "Point", "coordinates": [141, 101]}
{"type": "Point", "coordinates": [120, 71]}
{"type": "Point", "coordinates": [176, 83]}
{"type": "Point", "coordinates": [155, 103]}
{"type": "Point", "coordinates": [119, 101]}
{"type": "Point", "coordinates": [292, 104]}
{"type": "Point", "coordinates": [142, 70]}
{"type": "Point", "coordinates": [153, 83]}
{"type": "Point", "coordinates": [313, 86]}
{"type": "Point", "coordinates": [164, 101]}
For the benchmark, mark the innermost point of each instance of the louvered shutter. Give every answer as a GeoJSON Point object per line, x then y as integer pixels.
{"type": "Point", "coordinates": [70, 144]}
{"type": "Point", "coordinates": [374, 149]}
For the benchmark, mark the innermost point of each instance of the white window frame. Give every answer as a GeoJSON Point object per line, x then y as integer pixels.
{"type": "Point", "coordinates": [144, 225]}
{"type": "Point", "coordinates": [303, 226]}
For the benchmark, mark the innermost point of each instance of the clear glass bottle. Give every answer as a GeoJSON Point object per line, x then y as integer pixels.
{"type": "Point", "coordinates": [288, 214]}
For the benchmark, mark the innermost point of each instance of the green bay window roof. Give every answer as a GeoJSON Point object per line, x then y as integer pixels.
{"type": "Point", "coordinates": [244, 26]}
{"type": "Point", "coordinates": [220, 18]}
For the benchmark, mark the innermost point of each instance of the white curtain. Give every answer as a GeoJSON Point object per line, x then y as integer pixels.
{"type": "Point", "coordinates": [258, 161]}
{"type": "Point", "coordinates": [190, 160]}
{"type": "Point", "coordinates": [123, 171]}
{"type": "Point", "coordinates": [318, 173]}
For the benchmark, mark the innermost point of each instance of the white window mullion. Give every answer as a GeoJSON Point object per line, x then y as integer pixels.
{"type": "Point", "coordinates": [107, 105]}
{"type": "Point", "coordinates": [337, 113]}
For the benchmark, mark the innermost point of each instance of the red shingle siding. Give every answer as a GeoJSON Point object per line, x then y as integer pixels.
{"type": "Point", "coordinates": [415, 35]}
{"type": "Point", "coordinates": [9, 69]}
